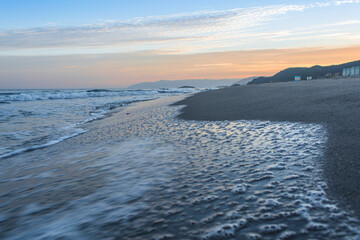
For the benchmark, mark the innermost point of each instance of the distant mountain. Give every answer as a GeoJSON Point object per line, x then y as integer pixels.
{"type": "Point", "coordinates": [315, 72]}
{"type": "Point", "coordinates": [245, 81]}
{"type": "Point", "coordinates": [198, 83]}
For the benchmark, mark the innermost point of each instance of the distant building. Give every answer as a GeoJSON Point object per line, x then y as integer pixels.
{"type": "Point", "coordinates": [347, 72]}
{"type": "Point", "coordinates": [351, 71]}
{"type": "Point", "coordinates": [328, 75]}
{"type": "Point", "coordinates": [309, 78]}
{"type": "Point", "coordinates": [297, 78]}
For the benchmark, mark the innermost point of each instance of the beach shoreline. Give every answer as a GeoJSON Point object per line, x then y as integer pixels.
{"type": "Point", "coordinates": [331, 102]}
{"type": "Point", "coordinates": [142, 173]}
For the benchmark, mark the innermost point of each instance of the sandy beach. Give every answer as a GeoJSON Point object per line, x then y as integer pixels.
{"type": "Point", "coordinates": [332, 102]}
{"type": "Point", "coordinates": [142, 173]}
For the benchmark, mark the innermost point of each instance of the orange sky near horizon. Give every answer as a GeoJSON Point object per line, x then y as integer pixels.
{"type": "Point", "coordinates": [189, 40]}
{"type": "Point", "coordinates": [125, 69]}
{"type": "Point", "coordinates": [220, 65]}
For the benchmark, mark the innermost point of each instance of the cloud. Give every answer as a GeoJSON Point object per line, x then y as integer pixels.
{"type": "Point", "coordinates": [198, 29]}
{"type": "Point", "coordinates": [345, 1]}
{"type": "Point", "coordinates": [139, 30]}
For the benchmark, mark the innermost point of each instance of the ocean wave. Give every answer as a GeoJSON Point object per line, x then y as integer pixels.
{"type": "Point", "coordinates": [37, 95]}
{"type": "Point", "coordinates": [114, 105]}
{"type": "Point", "coordinates": [66, 116]}
{"type": "Point", "coordinates": [47, 144]}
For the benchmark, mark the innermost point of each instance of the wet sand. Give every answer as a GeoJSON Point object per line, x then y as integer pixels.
{"type": "Point", "coordinates": [142, 173]}
{"type": "Point", "coordinates": [334, 103]}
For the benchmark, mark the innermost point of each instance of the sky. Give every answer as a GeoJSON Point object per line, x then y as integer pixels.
{"type": "Point", "coordinates": [116, 43]}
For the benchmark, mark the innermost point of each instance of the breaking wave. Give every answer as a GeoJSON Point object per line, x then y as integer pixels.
{"type": "Point", "coordinates": [36, 95]}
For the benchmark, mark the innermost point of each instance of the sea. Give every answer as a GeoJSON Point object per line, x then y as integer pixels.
{"type": "Point", "coordinates": [32, 119]}
{"type": "Point", "coordinates": [120, 164]}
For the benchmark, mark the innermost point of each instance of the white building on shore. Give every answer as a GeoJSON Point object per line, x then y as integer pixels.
{"type": "Point", "coordinates": [351, 72]}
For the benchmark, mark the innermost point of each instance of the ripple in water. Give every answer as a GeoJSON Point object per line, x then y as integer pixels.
{"type": "Point", "coordinates": [165, 178]}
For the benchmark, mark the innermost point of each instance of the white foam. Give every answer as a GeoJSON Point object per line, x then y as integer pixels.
{"type": "Point", "coordinates": [277, 166]}
{"type": "Point", "coordinates": [35, 147]}
{"type": "Point", "coordinates": [224, 231]}
{"type": "Point", "coordinates": [205, 199]}
{"type": "Point", "coordinates": [315, 226]}
{"type": "Point", "coordinates": [272, 202]}
{"type": "Point", "coordinates": [133, 168]}
{"type": "Point", "coordinates": [233, 215]}
{"type": "Point", "coordinates": [240, 188]}
{"type": "Point", "coordinates": [253, 236]}
{"type": "Point", "coordinates": [287, 235]}
{"type": "Point", "coordinates": [272, 228]}
{"type": "Point", "coordinates": [33, 95]}
{"type": "Point", "coordinates": [219, 158]}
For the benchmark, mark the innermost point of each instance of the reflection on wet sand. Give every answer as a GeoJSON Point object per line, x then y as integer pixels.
{"type": "Point", "coordinates": [144, 174]}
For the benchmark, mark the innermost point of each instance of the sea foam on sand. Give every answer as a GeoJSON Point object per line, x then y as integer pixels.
{"type": "Point", "coordinates": [144, 174]}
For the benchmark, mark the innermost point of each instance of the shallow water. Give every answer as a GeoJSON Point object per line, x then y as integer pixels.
{"type": "Point", "coordinates": [143, 174]}
{"type": "Point", "coordinates": [32, 119]}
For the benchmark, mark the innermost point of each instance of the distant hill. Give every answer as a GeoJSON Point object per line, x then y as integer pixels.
{"type": "Point", "coordinates": [198, 83]}
{"type": "Point", "coordinates": [245, 81]}
{"type": "Point", "coordinates": [288, 75]}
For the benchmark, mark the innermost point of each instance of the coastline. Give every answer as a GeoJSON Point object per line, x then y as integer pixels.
{"type": "Point", "coordinates": [142, 173]}
{"type": "Point", "coordinates": [332, 102]}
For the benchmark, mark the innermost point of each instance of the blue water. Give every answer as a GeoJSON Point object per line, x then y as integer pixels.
{"type": "Point", "coordinates": [31, 119]}
{"type": "Point", "coordinates": [142, 173]}
{"type": "Point", "coordinates": [139, 172]}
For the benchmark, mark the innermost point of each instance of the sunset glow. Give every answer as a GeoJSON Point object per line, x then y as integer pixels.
{"type": "Point", "coordinates": [117, 49]}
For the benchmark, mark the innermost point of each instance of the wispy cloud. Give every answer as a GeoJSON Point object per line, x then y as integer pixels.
{"type": "Point", "coordinates": [151, 32]}
{"type": "Point", "coordinates": [164, 28]}
{"type": "Point", "coordinates": [345, 1]}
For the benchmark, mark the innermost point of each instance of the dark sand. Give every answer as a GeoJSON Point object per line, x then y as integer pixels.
{"type": "Point", "coordinates": [335, 103]}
